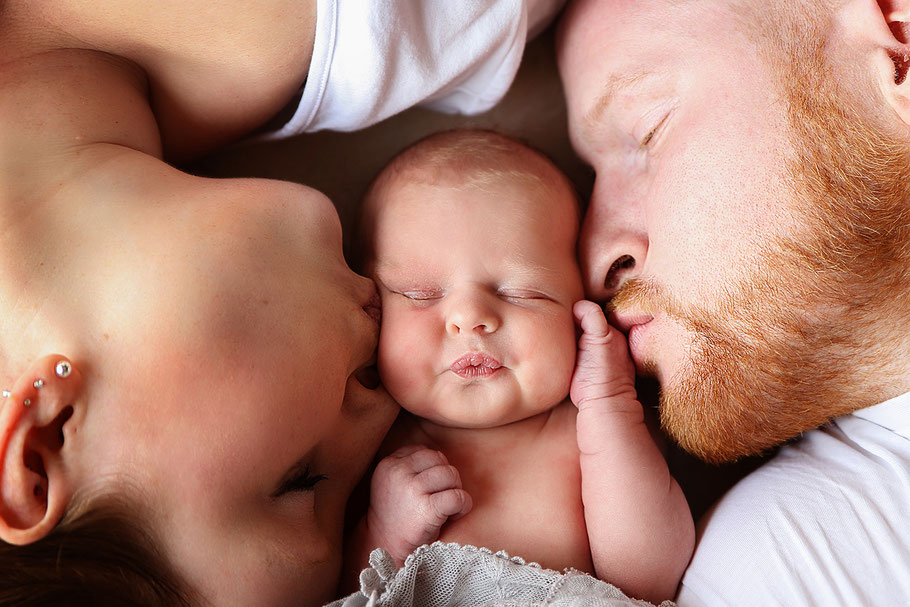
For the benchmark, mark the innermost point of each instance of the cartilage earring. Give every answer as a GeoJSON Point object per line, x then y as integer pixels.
{"type": "Point", "coordinates": [39, 383]}
{"type": "Point", "coordinates": [63, 369]}
{"type": "Point", "coordinates": [27, 402]}
{"type": "Point", "coordinates": [7, 394]}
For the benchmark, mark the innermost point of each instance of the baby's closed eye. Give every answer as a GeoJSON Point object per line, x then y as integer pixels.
{"type": "Point", "coordinates": [421, 294]}
{"type": "Point", "coordinates": [521, 294]}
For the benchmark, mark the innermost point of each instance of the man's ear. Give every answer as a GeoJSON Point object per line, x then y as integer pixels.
{"type": "Point", "coordinates": [36, 417]}
{"type": "Point", "coordinates": [885, 24]}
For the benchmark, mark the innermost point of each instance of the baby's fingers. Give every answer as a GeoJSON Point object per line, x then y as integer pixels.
{"type": "Point", "coordinates": [438, 478]}
{"type": "Point", "coordinates": [591, 319]}
{"type": "Point", "coordinates": [418, 458]}
{"type": "Point", "coordinates": [450, 504]}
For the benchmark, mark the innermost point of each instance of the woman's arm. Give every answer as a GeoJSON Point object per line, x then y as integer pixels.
{"type": "Point", "coordinates": [214, 72]}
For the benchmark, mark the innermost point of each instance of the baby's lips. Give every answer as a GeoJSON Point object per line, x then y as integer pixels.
{"type": "Point", "coordinates": [475, 365]}
{"type": "Point", "coordinates": [475, 359]}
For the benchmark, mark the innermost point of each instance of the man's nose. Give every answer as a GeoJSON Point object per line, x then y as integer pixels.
{"type": "Point", "coordinates": [613, 243]}
{"type": "Point", "coordinates": [472, 310]}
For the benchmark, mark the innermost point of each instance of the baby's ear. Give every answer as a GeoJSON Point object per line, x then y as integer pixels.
{"type": "Point", "coordinates": [36, 417]}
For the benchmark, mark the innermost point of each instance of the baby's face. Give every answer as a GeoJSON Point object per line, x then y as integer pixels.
{"type": "Point", "coordinates": [477, 290]}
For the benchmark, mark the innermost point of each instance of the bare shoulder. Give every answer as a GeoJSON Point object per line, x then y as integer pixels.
{"type": "Point", "coordinates": [215, 71]}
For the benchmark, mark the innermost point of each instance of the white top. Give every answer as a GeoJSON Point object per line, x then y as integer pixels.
{"type": "Point", "coordinates": [825, 522]}
{"type": "Point", "coordinates": [375, 58]}
{"type": "Point", "coordinates": [450, 575]}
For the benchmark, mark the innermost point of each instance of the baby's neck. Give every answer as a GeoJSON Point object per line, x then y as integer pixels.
{"type": "Point", "coordinates": [507, 436]}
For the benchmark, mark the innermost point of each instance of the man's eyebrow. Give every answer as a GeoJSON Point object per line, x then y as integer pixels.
{"type": "Point", "coordinates": [614, 85]}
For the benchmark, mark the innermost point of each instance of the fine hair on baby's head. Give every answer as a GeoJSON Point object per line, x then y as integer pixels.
{"type": "Point", "coordinates": [463, 159]}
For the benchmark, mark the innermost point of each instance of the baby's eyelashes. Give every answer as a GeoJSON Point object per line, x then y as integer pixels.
{"type": "Point", "coordinates": [422, 294]}
{"type": "Point", "coordinates": [506, 293]}
{"type": "Point", "coordinates": [428, 292]}
{"type": "Point", "coordinates": [522, 294]}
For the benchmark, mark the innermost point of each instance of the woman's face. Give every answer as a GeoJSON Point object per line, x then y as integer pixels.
{"type": "Point", "coordinates": [239, 419]}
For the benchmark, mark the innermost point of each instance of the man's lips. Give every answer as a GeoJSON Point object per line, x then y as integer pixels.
{"type": "Point", "coordinates": [474, 365]}
{"type": "Point", "coordinates": [625, 322]}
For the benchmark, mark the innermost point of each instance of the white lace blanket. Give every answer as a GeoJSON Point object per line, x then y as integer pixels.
{"type": "Point", "coordinates": [450, 575]}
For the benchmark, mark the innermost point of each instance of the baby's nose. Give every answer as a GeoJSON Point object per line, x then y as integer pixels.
{"type": "Point", "coordinates": [472, 312]}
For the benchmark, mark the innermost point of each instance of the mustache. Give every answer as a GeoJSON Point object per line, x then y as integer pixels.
{"type": "Point", "coordinates": [646, 296]}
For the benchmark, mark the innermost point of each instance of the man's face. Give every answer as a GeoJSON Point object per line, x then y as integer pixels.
{"type": "Point", "coordinates": [683, 128]}
{"type": "Point", "coordinates": [686, 126]}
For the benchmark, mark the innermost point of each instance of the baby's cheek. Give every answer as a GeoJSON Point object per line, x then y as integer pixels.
{"type": "Point", "coordinates": [555, 360]}
{"type": "Point", "coordinates": [401, 358]}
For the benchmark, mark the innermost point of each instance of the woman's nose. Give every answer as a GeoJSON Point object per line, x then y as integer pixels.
{"type": "Point", "coordinates": [613, 243]}
{"type": "Point", "coordinates": [472, 311]}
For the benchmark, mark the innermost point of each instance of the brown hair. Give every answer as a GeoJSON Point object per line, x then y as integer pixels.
{"type": "Point", "coordinates": [98, 555]}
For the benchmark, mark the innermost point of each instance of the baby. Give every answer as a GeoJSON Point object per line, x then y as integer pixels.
{"type": "Point", "coordinates": [470, 237]}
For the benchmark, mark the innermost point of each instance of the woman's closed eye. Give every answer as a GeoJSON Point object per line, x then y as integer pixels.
{"type": "Point", "coordinates": [299, 479]}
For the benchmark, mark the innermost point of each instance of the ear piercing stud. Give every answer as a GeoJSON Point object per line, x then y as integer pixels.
{"type": "Point", "coordinates": [63, 369]}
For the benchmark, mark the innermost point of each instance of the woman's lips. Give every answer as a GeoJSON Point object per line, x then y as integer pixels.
{"type": "Point", "coordinates": [368, 375]}
{"type": "Point", "coordinates": [373, 308]}
{"type": "Point", "coordinates": [475, 365]}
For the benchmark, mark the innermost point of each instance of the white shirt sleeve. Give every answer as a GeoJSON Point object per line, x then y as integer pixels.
{"type": "Point", "coordinates": [375, 58]}
{"type": "Point", "coordinates": [825, 522]}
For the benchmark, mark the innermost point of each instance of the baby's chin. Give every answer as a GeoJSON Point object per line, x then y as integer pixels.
{"type": "Point", "coordinates": [490, 415]}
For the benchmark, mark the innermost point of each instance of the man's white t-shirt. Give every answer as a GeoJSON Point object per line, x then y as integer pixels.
{"type": "Point", "coordinates": [825, 522]}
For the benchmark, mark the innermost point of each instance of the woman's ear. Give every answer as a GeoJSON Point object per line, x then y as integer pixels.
{"type": "Point", "coordinates": [36, 416]}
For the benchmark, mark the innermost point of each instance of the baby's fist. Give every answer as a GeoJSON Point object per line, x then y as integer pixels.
{"type": "Point", "coordinates": [413, 493]}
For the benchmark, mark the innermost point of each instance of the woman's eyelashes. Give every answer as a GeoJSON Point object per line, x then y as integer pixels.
{"type": "Point", "coordinates": [298, 480]}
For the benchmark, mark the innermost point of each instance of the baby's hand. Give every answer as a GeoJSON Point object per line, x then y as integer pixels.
{"type": "Point", "coordinates": [413, 493]}
{"type": "Point", "coordinates": [603, 368]}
